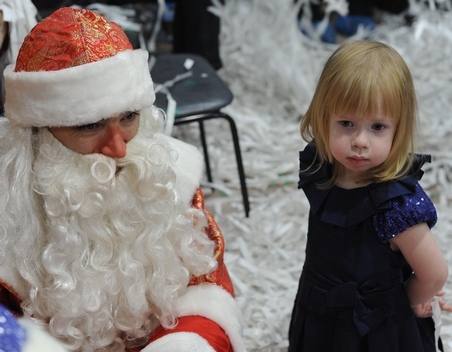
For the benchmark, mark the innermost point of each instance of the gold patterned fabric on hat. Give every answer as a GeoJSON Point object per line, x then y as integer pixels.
{"type": "Point", "coordinates": [70, 37]}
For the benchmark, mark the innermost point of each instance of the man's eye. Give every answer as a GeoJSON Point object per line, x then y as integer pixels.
{"type": "Point", "coordinates": [130, 116]}
{"type": "Point", "coordinates": [88, 127]}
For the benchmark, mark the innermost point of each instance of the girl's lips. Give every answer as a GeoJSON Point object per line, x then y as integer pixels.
{"type": "Point", "coordinates": [358, 161]}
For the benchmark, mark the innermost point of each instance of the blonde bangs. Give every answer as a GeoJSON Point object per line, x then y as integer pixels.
{"type": "Point", "coordinates": [366, 84]}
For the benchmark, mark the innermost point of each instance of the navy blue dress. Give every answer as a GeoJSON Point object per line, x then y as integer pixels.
{"type": "Point", "coordinates": [350, 296]}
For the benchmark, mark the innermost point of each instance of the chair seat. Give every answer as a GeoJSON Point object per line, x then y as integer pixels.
{"type": "Point", "coordinates": [200, 93]}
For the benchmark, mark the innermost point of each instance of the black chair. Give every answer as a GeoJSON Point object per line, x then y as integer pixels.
{"type": "Point", "coordinates": [199, 97]}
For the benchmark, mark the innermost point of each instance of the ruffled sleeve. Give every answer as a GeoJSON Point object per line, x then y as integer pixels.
{"type": "Point", "coordinates": [311, 175]}
{"type": "Point", "coordinates": [406, 211]}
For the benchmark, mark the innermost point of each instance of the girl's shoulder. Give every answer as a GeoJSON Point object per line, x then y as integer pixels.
{"type": "Point", "coordinates": [405, 211]}
{"type": "Point", "coordinates": [311, 171]}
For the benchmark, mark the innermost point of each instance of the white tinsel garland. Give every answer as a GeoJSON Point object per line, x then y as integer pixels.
{"type": "Point", "coordinates": [272, 70]}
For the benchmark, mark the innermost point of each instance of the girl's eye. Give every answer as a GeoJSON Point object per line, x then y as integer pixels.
{"type": "Point", "coordinates": [346, 123]}
{"type": "Point", "coordinates": [378, 127]}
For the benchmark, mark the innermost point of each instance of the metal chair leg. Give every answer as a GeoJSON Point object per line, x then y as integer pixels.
{"type": "Point", "coordinates": [235, 139]}
{"type": "Point", "coordinates": [238, 157]}
{"type": "Point", "coordinates": [205, 150]}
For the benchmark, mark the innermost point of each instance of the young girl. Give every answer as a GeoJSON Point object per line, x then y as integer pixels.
{"type": "Point", "coordinates": [369, 219]}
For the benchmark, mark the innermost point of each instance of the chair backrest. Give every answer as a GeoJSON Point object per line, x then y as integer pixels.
{"type": "Point", "coordinates": [194, 89]}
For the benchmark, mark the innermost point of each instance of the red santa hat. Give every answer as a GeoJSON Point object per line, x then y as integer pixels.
{"type": "Point", "coordinates": [76, 68]}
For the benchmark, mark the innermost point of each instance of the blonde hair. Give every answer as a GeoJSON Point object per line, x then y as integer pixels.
{"type": "Point", "coordinates": [365, 77]}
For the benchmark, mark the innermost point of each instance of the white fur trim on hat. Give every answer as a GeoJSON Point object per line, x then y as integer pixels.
{"type": "Point", "coordinates": [79, 95]}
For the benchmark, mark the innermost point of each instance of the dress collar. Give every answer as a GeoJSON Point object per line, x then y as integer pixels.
{"type": "Point", "coordinates": [347, 208]}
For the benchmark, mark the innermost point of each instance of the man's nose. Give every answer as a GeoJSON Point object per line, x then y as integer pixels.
{"type": "Point", "coordinates": [114, 144]}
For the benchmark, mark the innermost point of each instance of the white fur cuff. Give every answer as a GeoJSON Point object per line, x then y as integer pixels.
{"type": "Point", "coordinates": [39, 340]}
{"type": "Point", "coordinates": [179, 342]}
{"type": "Point", "coordinates": [215, 303]}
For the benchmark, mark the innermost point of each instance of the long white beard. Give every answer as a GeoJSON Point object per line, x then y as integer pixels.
{"type": "Point", "coordinates": [120, 246]}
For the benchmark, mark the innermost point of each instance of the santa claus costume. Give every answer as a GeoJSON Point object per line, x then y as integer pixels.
{"type": "Point", "coordinates": [106, 254]}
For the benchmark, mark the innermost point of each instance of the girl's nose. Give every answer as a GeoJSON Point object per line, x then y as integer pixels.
{"type": "Point", "coordinates": [360, 140]}
{"type": "Point", "coordinates": [114, 144]}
